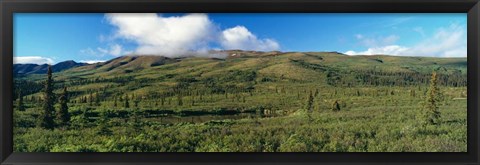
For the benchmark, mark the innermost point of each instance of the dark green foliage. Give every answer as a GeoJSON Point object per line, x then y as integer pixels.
{"type": "Point", "coordinates": [180, 100]}
{"type": "Point", "coordinates": [127, 103]}
{"type": "Point", "coordinates": [115, 102]}
{"type": "Point", "coordinates": [20, 104]}
{"type": "Point", "coordinates": [63, 116]}
{"type": "Point", "coordinates": [97, 99]}
{"type": "Point", "coordinates": [250, 104]}
{"type": "Point", "coordinates": [46, 117]}
{"type": "Point", "coordinates": [103, 124]}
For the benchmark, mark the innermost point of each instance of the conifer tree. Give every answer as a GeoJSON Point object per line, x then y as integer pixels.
{"type": "Point", "coordinates": [103, 127]}
{"type": "Point", "coordinates": [115, 102]}
{"type": "Point", "coordinates": [46, 118]}
{"type": "Point", "coordinates": [309, 105]}
{"type": "Point", "coordinates": [127, 104]}
{"type": "Point", "coordinates": [97, 99]}
{"type": "Point", "coordinates": [180, 100]}
{"type": "Point", "coordinates": [432, 113]}
{"type": "Point", "coordinates": [135, 102]}
{"type": "Point", "coordinates": [20, 105]}
{"type": "Point", "coordinates": [63, 116]}
{"type": "Point", "coordinates": [336, 106]}
{"type": "Point", "coordinates": [91, 99]}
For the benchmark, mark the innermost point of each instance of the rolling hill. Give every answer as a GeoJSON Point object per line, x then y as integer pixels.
{"type": "Point", "coordinates": [249, 102]}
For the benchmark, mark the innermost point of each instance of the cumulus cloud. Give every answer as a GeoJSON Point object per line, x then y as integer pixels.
{"type": "Point", "coordinates": [92, 61]}
{"type": "Point", "coordinates": [240, 37]}
{"type": "Point", "coordinates": [176, 36]}
{"type": "Point", "coordinates": [448, 41]}
{"type": "Point", "coordinates": [168, 36]}
{"type": "Point", "coordinates": [32, 60]}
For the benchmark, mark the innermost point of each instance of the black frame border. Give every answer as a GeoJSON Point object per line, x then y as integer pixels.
{"type": "Point", "coordinates": [9, 7]}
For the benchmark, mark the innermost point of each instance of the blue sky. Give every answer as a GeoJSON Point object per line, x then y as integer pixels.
{"type": "Point", "coordinates": [52, 38]}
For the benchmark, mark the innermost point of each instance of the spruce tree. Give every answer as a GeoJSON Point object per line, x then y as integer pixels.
{"type": "Point", "coordinates": [336, 106]}
{"type": "Point", "coordinates": [97, 99]}
{"type": "Point", "coordinates": [115, 102]}
{"type": "Point", "coordinates": [135, 102]}
{"type": "Point", "coordinates": [91, 99]}
{"type": "Point", "coordinates": [20, 105]}
{"type": "Point", "coordinates": [103, 125]}
{"type": "Point", "coordinates": [127, 104]}
{"type": "Point", "coordinates": [63, 116]}
{"type": "Point", "coordinates": [432, 113]}
{"type": "Point", "coordinates": [309, 104]}
{"type": "Point", "coordinates": [46, 118]}
{"type": "Point", "coordinates": [180, 100]}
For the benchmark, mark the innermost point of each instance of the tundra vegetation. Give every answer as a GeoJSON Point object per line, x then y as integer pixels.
{"type": "Point", "coordinates": [250, 102]}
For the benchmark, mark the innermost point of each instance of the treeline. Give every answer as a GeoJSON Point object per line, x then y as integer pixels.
{"type": "Point", "coordinates": [382, 78]}
{"type": "Point", "coordinates": [363, 77]}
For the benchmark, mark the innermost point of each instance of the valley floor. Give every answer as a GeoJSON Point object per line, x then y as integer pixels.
{"type": "Point", "coordinates": [369, 122]}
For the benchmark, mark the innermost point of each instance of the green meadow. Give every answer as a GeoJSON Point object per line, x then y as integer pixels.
{"type": "Point", "coordinates": [247, 102]}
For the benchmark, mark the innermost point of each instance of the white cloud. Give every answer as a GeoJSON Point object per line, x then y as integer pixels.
{"type": "Point", "coordinates": [92, 61]}
{"type": "Point", "coordinates": [187, 35]}
{"type": "Point", "coordinates": [32, 60]}
{"type": "Point", "coordinates": [113, 50]}
{"type": "Point", "coordinates": [116, 50]}
{"type": "Point", "coordinates": [385, 50]}
{"type": "Point", "coordinates": [448, 41]}
{"type": "Point", "coordinates": [240, 37]}
{"type": "Point", "coordinates": [167, 36]}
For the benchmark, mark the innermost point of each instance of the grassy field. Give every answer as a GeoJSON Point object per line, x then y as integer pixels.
{"type": "Point", "coordinates": [250, 102]}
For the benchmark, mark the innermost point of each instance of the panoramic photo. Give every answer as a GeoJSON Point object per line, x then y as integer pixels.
{"type": "Point", "coordinates": [218, 82]}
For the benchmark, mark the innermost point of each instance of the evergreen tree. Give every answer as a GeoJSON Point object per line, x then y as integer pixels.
{"type": "Point", "coordinates": [84, 120]}
{"type": "Point", "coordinates": [20, 105]}
{"type": "Point", "coordinates": [336, 106]}
{"type": "Point", "coordinates": [432, 113]}
{"type": "Point", "coordinates": [115, 102]}
{"type": "Point", "coordinates": [91, 99]}
{"type": "Point", "coordinates": [180, 100]}
{"type": "Point", "coordinates": [127, 104]}
{"type": "Point", "coordinates": [97, 99]}
{"type": "Point", "coordinates": [46, 118]}
{"type": "Point", "coordinates": [103, 125]}
{"type": "Point", "coordinates": [63, 116]}
{"type": "Point", "coordinates": [309, 105]}
{"type": "Point", "coordinates": [135, 102]}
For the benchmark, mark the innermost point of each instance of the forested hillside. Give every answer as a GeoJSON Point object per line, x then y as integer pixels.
{"type": "Point", "coordinates": [247, 102]}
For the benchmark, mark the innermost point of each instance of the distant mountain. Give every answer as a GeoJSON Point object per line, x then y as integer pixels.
{"type": "Point", "coordinates": [42, 69]}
